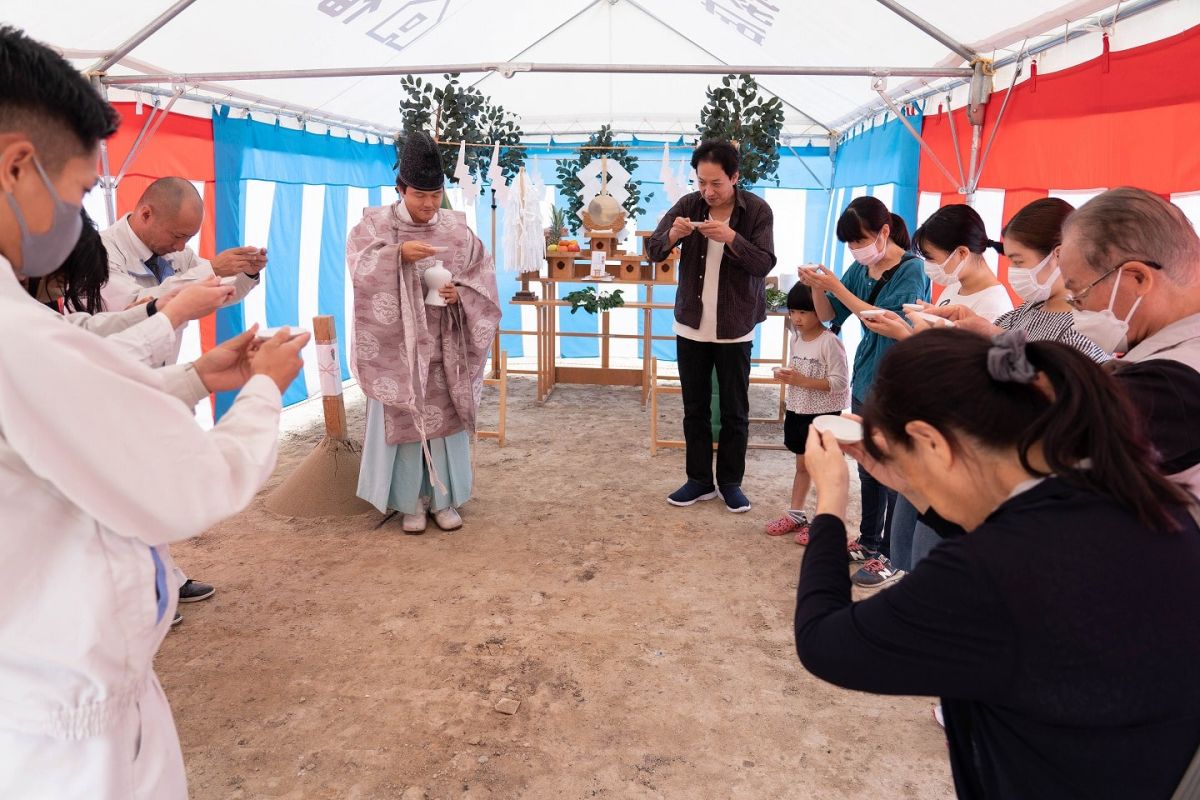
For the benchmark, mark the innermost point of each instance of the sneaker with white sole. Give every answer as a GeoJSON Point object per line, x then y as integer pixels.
{"type": "Point", "coordinates": [735, 499]}
{"type": "Point", "coordinates": [692, 492]}
{"type": "Point", "coordinates": [195, 591]}
{"type": "Point", "coordinates": [875, 573]}
{"type": "Point", "coordinates": [448, 519]}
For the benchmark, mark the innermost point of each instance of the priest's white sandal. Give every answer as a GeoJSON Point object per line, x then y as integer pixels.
{"type": "Point", "coordinates": [448, 519]}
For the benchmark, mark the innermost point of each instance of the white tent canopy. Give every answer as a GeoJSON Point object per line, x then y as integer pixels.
{"type": "Point", "coordinates": [203, 41]}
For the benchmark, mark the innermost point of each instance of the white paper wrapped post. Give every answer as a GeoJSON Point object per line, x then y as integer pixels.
{"type": "Point", "coordinates": [329, 368]}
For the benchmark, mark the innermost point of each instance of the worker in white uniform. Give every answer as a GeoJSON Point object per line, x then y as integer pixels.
{"type": "Point", "coordinates": [148, 329]}
{"type": "Point", "coordinates": [82, 714]}
{"type": "Point", "coordinates": [148, 254]}
{"type": "Point", "coordinates": [148, 258]}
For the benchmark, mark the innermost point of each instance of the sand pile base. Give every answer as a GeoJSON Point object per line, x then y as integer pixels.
{"type": "Point", "coordinates": [323, 484]}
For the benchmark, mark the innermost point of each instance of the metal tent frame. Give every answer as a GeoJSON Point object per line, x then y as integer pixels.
{"type": "Point", "coordinates": [192, 86]}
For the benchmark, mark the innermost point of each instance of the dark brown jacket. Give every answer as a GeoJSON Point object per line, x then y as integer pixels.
{"type": "Point", "coordinates": [741, 298]}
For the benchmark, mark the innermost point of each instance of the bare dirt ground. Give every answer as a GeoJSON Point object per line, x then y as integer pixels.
{"type": "Point", "coordinates": [650, 647]}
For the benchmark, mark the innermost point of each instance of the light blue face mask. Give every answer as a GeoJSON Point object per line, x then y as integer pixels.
{"type": "Point", "coordinates": [43, 253]}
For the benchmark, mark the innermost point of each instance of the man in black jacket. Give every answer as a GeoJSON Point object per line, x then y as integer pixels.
{"type": "Point", "coordinates": [728, 248]}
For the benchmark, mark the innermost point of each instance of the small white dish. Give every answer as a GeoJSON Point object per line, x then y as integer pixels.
{"type": "Point", "coordinates": [844, 429]}
{"type": "Point", "coordinates": [269, 333]}
{"type": "Point", "coordinates": [913, 307]}
{"type": "Point", "coordinates": [229, 280]}
{"type": "Point", "coordinates": [872, 313]}
{"type": "Point", "coordinates": [932, 319]}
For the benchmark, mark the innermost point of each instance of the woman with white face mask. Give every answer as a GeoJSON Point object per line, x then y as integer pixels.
{"type": "Point", "coordinates": [953, 241]}
{"type": "Point", "coordinates": [883, 277]}
{"type": "Point", "coordinates": [1031, 239]}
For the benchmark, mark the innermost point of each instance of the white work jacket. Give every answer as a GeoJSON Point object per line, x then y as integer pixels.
{"type": "Point", "coordinates": [99, 463]}
{"type": "Point", "coordinates": [130, 280]}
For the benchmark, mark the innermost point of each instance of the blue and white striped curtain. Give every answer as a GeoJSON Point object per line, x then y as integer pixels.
{"type": "Point", "coordinates": [878, 161]}
{"type": "Point", "coordinates": [297, 194]}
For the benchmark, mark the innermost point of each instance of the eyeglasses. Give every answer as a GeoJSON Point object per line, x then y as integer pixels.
{"type": "Point", "coordinates": [1075, 299]}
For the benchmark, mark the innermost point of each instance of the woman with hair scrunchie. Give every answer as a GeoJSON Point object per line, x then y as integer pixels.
{"type": "Point", "coordinates": [1056, 680]}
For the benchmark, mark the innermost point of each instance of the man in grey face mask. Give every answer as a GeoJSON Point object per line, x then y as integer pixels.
{"type": "Point", "coordinates": [81, 711]}
{"type": "Point", "coordinates": [1131, 264]}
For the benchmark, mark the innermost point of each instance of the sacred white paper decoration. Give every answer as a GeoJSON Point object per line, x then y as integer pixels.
{"type": "Point", "coordinates": [524, 237]}
{"type": "Point", "coordinates": [462, 173]}
{"type": "Point", "coordinates": [496, 176]}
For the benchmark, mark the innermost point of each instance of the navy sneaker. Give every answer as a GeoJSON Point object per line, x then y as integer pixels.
{"type": "Point", "coordinates": [735, 501]}
{"type": "Point", "coordinates": [195, 591]}
{"type": "Point", "coordinates": [691, 492]}
{"type": "Point", "coordinates": [877, 572]}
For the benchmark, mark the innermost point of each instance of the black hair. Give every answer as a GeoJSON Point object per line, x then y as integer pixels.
{"type": "Point", "coordinates": [49, 101]}
{"type": "Point", "coordinates": [865, 217]}
{"type": "Point", "coordinates": [952, 227]}
{"type": "Point", "coordinates": [800, 298]}
{"type": "Point", "coordinates": [1089, 433]}
{"type": "Point", "coordinates": [1039, 225]}
{"type": "Point", "coordinates": [719, 152]}
{"type": "Point", "coordinates": [84, 272]}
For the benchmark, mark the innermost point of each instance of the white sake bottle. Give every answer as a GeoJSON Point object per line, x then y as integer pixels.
{"type": "Point", "coordinates": [436, 277]}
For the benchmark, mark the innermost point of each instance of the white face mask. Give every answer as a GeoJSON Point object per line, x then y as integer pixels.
{"type": "Point", "coordinates": [937, 272]}
{"type": "Point", "coordinates": [1025, 283]}
{"type": "Point", "coordinates": [1103, 327]}
{"type": "Point", "coordinates": [870, 254]}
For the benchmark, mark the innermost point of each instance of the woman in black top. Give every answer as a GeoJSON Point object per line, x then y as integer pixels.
{"type": "Point", "coordinates": [1060, 676]}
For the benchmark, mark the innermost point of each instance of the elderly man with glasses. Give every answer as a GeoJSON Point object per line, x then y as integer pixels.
{"type": "Point", "coordinates": [1131, 264]}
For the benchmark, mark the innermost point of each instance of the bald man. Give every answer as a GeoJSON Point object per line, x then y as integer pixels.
{"type": "Point", "coordinates": [148, 253]}
{"type": "Point", "coordinates": [148, 256]}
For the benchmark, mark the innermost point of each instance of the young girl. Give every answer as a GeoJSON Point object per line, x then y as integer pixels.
{"type": "Point", "coordinates": [953, 241]}
{"type": "Point", "coordinates": [818, 381]}
{"type": "Point", "coordinates": [884, 276]}
{"type": "Point", "coordinates": [1031, 240]}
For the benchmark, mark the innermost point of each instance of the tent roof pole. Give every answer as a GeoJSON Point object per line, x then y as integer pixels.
{"type": "Point", "coordinates": [806, 167]}
{"type": "Point", "coordinates": [508, 69]}
{"type": "Point", "coordinates": [106, 182]}
{"type": "Point", "coordinates": [548, 34]}
{"type": "Point", "coordinates": [706, 51]}
{"type": "Point", "coordinates": [124, 48]}
{"type": "Point", "coordinates": [962, 176]}
{"type": "Point", "coordinates": [974, 184]}
{"type": "Point", "coordinates": [916, 94]}
{"type": "Point", "coordinates": [267, 107]}
{"type": "Point", "coordinates": [937, 33]}
{"type": "Point", "coordinates": [144, 137]}
{"type": "Point", "coordinates": [913, 132]}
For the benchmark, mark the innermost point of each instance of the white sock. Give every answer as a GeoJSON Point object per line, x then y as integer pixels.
{"type": "Point", "coordinates": [798, 516]}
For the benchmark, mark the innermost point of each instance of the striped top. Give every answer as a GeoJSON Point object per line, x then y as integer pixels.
{"type": "Point", "coordinates": [1049, 326]}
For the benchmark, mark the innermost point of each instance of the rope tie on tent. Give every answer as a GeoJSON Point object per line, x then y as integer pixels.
{"type": "Point", "coordinates": [986, 63]}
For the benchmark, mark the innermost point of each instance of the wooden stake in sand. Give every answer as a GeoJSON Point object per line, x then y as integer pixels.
{"type": "Point", "coordinates": [324, 483]}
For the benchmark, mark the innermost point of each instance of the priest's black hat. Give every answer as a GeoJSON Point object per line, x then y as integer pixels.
{"type": "Point", "coordinates": [421, 163]}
